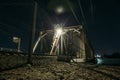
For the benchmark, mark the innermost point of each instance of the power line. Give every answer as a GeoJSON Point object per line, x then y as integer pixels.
{"type": "Point", "coordinates": [92, 12]}
{"type": "Point", "coordinates": [73, 12]}
{"type": "Point", "coordinates": [82, 12]}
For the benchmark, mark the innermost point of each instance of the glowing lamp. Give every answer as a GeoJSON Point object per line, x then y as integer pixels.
{"type": "Point", "coordinates": [59, 31]}
{"type": "Point", "coordinates": [59, 10]}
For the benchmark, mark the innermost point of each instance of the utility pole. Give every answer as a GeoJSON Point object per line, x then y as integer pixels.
{"type": "Point", "coordinates": [32, 32]}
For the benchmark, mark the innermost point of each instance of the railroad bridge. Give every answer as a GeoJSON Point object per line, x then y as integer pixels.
{"type": "Point", "coordinates": [65, 42]}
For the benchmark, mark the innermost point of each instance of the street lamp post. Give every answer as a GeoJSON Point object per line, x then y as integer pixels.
{"type": "Point", "coordinates": [58, 33]}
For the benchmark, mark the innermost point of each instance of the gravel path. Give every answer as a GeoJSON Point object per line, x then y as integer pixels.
{"type": "Point", "coordinates": [50, 69]}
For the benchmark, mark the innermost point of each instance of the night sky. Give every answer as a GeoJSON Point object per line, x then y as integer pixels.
{"type": "Point", "coordinates": [101, 19]}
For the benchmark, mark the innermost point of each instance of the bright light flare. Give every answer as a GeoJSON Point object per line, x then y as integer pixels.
{"type": "Point", "coordinates": [59, 31]}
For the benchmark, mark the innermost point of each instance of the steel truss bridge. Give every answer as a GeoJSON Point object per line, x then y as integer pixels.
{"type": "Point", "coordinates": [65, 41]}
